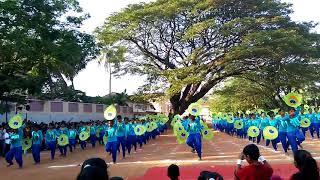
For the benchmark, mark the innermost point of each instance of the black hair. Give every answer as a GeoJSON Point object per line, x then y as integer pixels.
{"type": "Point", "coordinates": [270, 113]}
{"type": "Point", "coordinates": [94, 168]}
{"type": "Point", "coordinates": [126, 118]}
{"type": "Point", "coordinates": [93, 172]}
{"type": "Point", "coordinates": [116, 178]}
{"type": "Point", "coordinates": [173, 172]}
{"type": "Point", "coordinates": [119, 117]}
{"type": "Point", "coordinates": [204, 175]}
{"type": "Point", "coordinates": [307, 165]}
{"type": "Point", "coordinates": [252, 151]}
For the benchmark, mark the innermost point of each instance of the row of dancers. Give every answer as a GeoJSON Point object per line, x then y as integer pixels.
{"type": "Point", "coordinates": [290, 126]}
{"type": "Point", "coordinates": [113, 134]}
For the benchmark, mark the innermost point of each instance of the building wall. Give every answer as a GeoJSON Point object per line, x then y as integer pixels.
{"type": "Point", "coordinates": [45, 111]}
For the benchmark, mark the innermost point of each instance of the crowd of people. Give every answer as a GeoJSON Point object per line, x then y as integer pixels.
{"type": "Point", "coordinates": [290, 126]}
{"type": "Point", "coordinates": [258, 168]}
{"type": "Point", "coordinates": [114, 134]}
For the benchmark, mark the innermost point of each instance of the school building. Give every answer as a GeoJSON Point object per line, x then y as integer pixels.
{"type": "Point", "coordinates": [56, 110]}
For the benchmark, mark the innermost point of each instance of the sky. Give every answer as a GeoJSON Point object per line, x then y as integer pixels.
{"type": "Point", "coordinates": [94, 79]}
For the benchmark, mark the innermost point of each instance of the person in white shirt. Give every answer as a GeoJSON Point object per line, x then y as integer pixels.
{"type": "Point", "coordinates": [2, 144]}
{"type": "Point", "coordinates": [6, 142]}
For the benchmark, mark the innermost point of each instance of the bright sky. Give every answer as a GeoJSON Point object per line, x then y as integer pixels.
{"type": "Point", "coordinates": [94, 79]}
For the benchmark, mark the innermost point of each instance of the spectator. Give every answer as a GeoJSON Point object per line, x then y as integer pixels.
{"type": "Point", "coordinates": [206, 175]}
{"type": "Point", "coordinates": [2, 139]}
{"type": "Point", "coordinates": [173, 172]}
{"type": "Point", "coordinates": [94, 169]}
{"type": "Point", "coordinates": [7, 142]}
{"type": "Point", "coordinates": [255, 170]}
{"type": "Point", "coordinates": [307, 166]}
{"type": "Point", "coordinates": [116, 178]}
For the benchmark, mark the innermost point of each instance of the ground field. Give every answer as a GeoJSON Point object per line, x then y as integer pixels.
{"type": "Point", "coordinates": [222, 151]}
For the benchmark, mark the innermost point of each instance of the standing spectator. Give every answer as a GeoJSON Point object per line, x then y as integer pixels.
{"type": "Point", "coordinates": [7, 142]}
{"type": "Point", "coordinates": [173, 172]}
{"type": "Point", "coordinates": [307, 166]}
{"type": "Point", "coordinates": [2, 144]}
{"type": "Point", "coordinates": [255, 170]}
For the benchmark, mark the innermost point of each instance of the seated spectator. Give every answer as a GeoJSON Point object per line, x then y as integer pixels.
{"type": "Point", "coordinates": [206, 175]}
{"type": "Point", "coordinates": [173, 172]}
{"type": "Point", "coordinates": [258, 168]}
{"type": "Point", "coordinates": [307, 166]}
{"type": "Point", "coordinates": [94, 168]}
{"type": "Point", "coordinates": [116, 178]}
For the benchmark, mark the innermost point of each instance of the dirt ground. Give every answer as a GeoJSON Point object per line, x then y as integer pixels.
{"type": "Point", "coordinates": [222, 150]}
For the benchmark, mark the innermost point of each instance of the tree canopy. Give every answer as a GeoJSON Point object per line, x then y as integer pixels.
{"type": "Point", "coordinates": [41, 46]}
{"type": "Point", "coordinates": [187, 47]}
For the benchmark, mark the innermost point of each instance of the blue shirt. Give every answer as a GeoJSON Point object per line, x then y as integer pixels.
{"type": "Point", "coordinates": [282, 123]}
{"type": "Point", "coordinates": [64, 131]}
{"type": "Point", "coordinates": [120, 128]}
{"type": "Point", "coordinates": [73, 133]}
{"type": "Point", "coordinates": [111, 132]}
{"type": "Point", "coordinates": [293, 124]}
{"type": "Point", "coordinates": [130, 129]}
{"type": "Point", "coordinates": [194, 127]}
{"type": "Point", "coordinates": [274, 123]}
{"type": "Point", "coordinates": [51, 135]}
{"type": "Point", "coordinates": [92, 130]}
{"type": "Point", "coordinates": [16, 139]}
{"type": "Point", "coordinates": [264, 123]}
{"type": "Point", "coordinates": [37, 137]}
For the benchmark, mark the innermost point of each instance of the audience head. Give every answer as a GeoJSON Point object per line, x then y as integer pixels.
{"type": "Point", "coordinates": [206, 175]}
{"type": "Point", "coordinates": [307, 165]}
{"type": "Point", "coordinates": [271, 114]}
{"type": "Point", "coordinates": [173, 172]}
{"type": "Point", "coordinates": [119, 118]}
{"type": "Point", "coordinates": [251, 153]}
{"type": "Point", "coordinates": [94, 168]}
{"type": "Point", "coordinates": [116, 178]}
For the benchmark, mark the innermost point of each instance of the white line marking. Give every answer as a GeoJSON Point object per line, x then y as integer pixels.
{"type": "Point", "coordinates": [64, 166]}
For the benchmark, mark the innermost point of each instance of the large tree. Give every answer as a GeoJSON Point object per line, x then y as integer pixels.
{"type": "Point", "coordinates": [41, 45]}
{"type": "Point", "coordinates": [187, 47]}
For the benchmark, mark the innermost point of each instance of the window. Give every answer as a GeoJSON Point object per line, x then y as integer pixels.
{"type": "Point", "coordinates": [73, 107]}
{"type": "Point", "coordinates": [124, 109]}
{"type": "Point", "coordinates": [99, 108]}
{"type": "Point", "coordinates": [87, 108]}
{"type": "Point", "coordinates": [56, 107]}
{"type": "Point", "coordinates": [37, 106]}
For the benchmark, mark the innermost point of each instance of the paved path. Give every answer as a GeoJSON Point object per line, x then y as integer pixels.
{"type": "Point", "coordinates": [222, 150]}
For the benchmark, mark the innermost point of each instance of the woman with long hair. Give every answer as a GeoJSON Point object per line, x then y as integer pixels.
{"type": "Point", "coordinates": [307, 165]}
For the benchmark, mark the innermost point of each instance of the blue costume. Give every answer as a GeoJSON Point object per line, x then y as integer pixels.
{"type": "Point", "coordinates": [315, 124]}
{"type": "Point", "coordinates": [274, 123]}
{"type": "Point", "coordinates": [93, 136]}
{"type": "Point", "coordinates": [72, 139]}
{"type": "Point", "coordinates": [83, 144]}
{"type": "Point", "coordinates": [51, 141]}
{"type": "Point", "coordinates": [37, 138]}
{"type": "Point", "coordinates": [112, 144]}
{"type": "Point", "coordinates": [121, 136]}
{"type": "Point", "coordinates": [131, 137]}
{"type": "Point", "coordinates": [194, 139]}
{"type": "Point", "coordinates": [15, 148]}
{"type": "Point", "coordinates": [63, 149]}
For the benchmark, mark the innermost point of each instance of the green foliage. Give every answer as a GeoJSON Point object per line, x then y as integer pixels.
{"type": "Point", "coordinates": [40, 43]}
{"type": "Point", "coordinates": [189, 46]}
